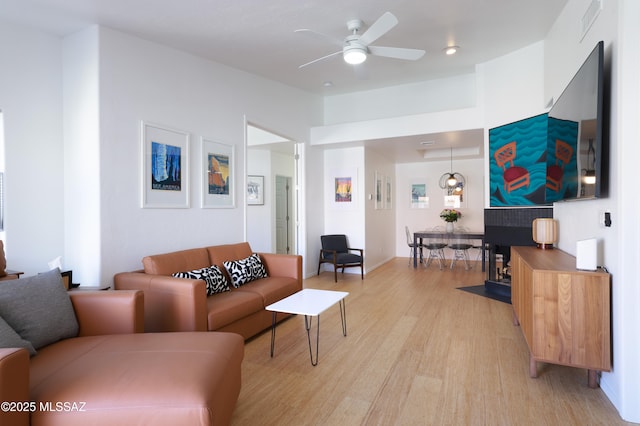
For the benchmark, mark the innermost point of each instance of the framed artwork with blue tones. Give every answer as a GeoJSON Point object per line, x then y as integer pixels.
{"type": "Point", "coordinates": [165, 167]}
{"type": "Point", "coordinates": [419, 199]}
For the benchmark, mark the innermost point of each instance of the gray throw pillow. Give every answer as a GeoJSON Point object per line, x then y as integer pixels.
{"type": "Point", "coordinates": [38, 308]}
{"type": "Point", "coordinates": [10, 339]}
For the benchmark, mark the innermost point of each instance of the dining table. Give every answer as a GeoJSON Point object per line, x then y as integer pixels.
{"type": "Point", "coordinates": [418, 237]}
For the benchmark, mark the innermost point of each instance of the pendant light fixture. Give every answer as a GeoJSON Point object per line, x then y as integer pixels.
{"type": "Point", "coordinates": [453, 181]}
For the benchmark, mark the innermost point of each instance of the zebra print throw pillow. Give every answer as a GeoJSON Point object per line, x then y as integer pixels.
{"type": "Point", "coordinates": [213, 277]}
{"type": "Point", "coordinates": [245, 270]}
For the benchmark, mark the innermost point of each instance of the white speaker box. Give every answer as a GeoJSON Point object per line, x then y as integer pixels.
{"type": "Point", "coordinates": [587, 255]}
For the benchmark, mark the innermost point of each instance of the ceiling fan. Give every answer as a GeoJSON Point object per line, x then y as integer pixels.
{"type": "Point", "coordinates": [356, 47]}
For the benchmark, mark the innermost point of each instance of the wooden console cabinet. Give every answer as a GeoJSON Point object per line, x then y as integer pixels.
{"type": "Point", "coordinates": [564, 313]}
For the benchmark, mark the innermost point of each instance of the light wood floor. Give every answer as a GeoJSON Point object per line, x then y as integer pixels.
{"type": "Point", "coordinates": [418, 352]}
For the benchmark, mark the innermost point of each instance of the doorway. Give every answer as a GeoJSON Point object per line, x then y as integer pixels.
{"type": "Point", "coordinates": [273, 225]}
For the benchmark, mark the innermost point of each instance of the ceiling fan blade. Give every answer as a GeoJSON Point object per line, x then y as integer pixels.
{"type": "Point", "coordinates": [379, 28]}
{"type": "Point", "coordinates": [397, 52]}
{"type": "Point", "coordinates": [320, 36]}
{"type": "Point", "coordinates": [321, 59]}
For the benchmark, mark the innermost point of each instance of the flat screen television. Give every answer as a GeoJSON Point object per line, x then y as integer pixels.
{"type": "Point", "coordinates": [578, 136]}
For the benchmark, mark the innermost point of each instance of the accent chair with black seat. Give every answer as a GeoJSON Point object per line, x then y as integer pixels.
{"type": "Point", "coordinates": [336, 250]}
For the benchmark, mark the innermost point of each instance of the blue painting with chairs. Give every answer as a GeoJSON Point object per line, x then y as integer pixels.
{"type": "Point", "coordinates": [532, 161]}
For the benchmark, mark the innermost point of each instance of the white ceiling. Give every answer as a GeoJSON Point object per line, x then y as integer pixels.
{"type": "Point", "coordinates": [258, 36]}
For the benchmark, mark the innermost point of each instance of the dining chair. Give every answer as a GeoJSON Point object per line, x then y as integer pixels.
{"type": "Point", "coordinates": [460, 247]}
{"type": "Point", "coordinates": [413, 247]}
{"type": "Point", "coordinates": [436, 245]}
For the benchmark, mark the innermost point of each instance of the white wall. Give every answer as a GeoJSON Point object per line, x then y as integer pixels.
{"type": "Point", "coordinates": [125, 80]}
{"type": "Point", "coordinates": [510, 89]}
{"type": "Point", "coordinates": [625, 385]}
{"type": "Point", "coordinates": [31, 102]}
{"type": "Point", "coordinates": [81, 94]}
{"type": "Point", "coordinates": [345, 218]}
{"type": "Point", "coordinates": [450, 93]}
{"type": "Point", "coordinates": [379, 223]}
{"type": "Point", "coordinates": [312, 201]}
{"type": "Point", "coordinates": [619, 247]}
{"type": "Point", "coordinates": [146, 81]}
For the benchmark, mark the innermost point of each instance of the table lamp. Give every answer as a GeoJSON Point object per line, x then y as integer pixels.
{"type": "Point", "coordinates": [545, 232]}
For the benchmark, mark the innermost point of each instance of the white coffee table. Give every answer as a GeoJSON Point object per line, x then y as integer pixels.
{"type": "Point", "coordinates": [310, 303]}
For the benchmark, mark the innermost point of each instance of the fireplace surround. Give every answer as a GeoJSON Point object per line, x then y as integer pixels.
{"type": "Point", "coordinates": [503, 228]}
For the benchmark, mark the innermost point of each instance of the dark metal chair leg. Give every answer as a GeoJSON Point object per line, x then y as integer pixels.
{"type": "Point", "coordinates": [273, 332]}
{"type": "Point", "coordinates": [308, 320]}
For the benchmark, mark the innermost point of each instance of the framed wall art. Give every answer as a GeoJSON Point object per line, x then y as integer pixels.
{"type": "Point", "coordinates": [217, 174]}
{"type": "Point", "coordinates": [165, 167]}
{"type": "Point", "coordinates": [388, 198]}
{"type": "Point", "coordinates": [342, 189]}
{"type": "Point", "coordinates": [379, 189]}
{"type": "Point", "coordinates": [255, 190]}
{"type": "Point", "coordinates": [419, 198]}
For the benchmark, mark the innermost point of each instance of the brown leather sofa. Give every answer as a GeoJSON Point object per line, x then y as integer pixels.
{"type": "Point", "coordinates": [112, 374]}
{"type": "Point", "coordinates": [177, 304]}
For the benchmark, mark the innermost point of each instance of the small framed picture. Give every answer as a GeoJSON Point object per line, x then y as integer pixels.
{"type": "Point", "coordinates": [217, 175]}
{"type": "Point", "coordinates": [419, 198]}
{"type": "Point", "coordinates": [379, 189]}
{"type": "Point", "coordinates": [255, 190]}
{"type": "Point", "coordinates": [165, 167]}
{"type": "Point", "coordinates": [388, 198]}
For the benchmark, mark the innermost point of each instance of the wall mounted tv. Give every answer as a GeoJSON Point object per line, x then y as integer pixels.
{"type": "Point", "coordinates": [582, 106]}
{"type": "Point", "coordinates": [560, 155]}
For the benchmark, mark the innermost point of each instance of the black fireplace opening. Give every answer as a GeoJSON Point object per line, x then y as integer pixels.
{"type": "Point", "coordinates": [503, 228]}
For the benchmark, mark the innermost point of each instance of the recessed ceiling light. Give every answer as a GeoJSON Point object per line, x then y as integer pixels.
{"type": "Point", "coordinates": [328, 84]}
{"type": "Point", "coordinates": [451, 50]}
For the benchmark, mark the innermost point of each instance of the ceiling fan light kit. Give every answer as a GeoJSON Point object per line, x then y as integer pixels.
{"type": "Point", "coordinates": [354, 54]}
